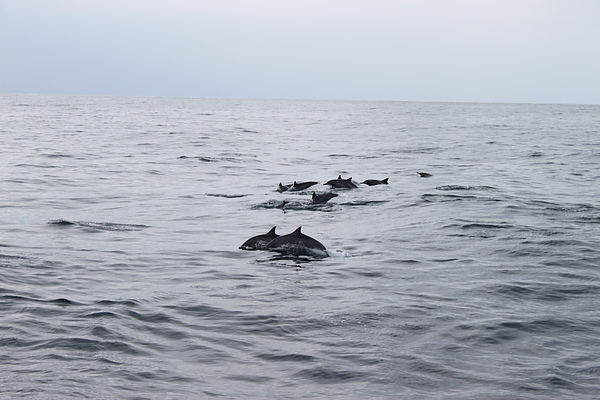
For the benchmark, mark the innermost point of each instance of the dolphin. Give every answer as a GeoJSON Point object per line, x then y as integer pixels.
{"type": "Point", "coordinates": [373, 182]}
{"type": "Point", "coordinates": [283, 188]}
{"type": "Point", "coordinates": [340, 183]}
{"type": "Point", "coordinates": [322, 198]}
{"type": "Point", "coordinates": [297, 243]}
{"type": "Point", "coordinates": [297, 186]}
{"type": "Point", "coordinates": [424, 174]}
{"type": "Point", "coordinates": [259, 242]}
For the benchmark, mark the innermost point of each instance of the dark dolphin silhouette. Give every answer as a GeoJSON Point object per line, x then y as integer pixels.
{"type": "Point", "coordinates": [322, 198]}
{"type": "Point", "coordinates": [297, 186]}
{"type": "Point", "coordinates": [297, 243]}
{"type": "Point", "coordinates": [259, 242]}
{"type": "Point", "coordinates": [340, 183]}
{"type": "Point", "coordinates": [373, 182]}
{"type": "Point", "coordinates": [424, 174]}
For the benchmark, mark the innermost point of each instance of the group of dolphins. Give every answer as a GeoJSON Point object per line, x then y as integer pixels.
{"type": "Point", "coordinates": [297, 243]}
{"type": "Point", "coordinates": [338, 183]}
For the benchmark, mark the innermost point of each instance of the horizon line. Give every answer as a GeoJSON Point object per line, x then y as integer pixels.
{"type": "Point", "coordinates": [297, 99]}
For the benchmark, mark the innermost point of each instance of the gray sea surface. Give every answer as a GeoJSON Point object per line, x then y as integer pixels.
{"type": "Point", "coordinates": [121, 274]}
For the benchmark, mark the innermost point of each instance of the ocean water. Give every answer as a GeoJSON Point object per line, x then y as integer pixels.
{"type": "Point", "coordinates": [121, 274]}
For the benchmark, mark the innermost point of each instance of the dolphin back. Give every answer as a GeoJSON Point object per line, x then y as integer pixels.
{"type": "Point", "coordinates": [260, 242]}
{"type": "Point", "coordinates": [322, 198]}
{"type": "Point", "coordinates": [297, 243]}
{"type": "Point", "coordinates": [340, 183]}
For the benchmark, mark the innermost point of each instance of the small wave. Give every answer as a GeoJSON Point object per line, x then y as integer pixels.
{"type": "Point", "coordinates": [294, 357]}
{"type": "Point", "coordinates": [576, 208]}
{"type": "Point", "coordinates": [155, 318]}
{"type": "Point", "coordinates": [100, 315]}
{"type": "Point", "coordinates": [89, 345]}
{"type": "Point", "coordinates": [201, 158]}
{"type": "Point", "coordinates": [462, 187]}
{"type": "Point", "coordinates": [249, 378]}
{"type": "Point", "coordinates": [9, 257]}
{"type": "Point", "coordinates": [239, 158]}
{"type": "Point", "coordinates": [432, 197]}
{"type": "Point", "coordinates": [205, 311]}
{"type": "Point", "coordinates": [36, 166]}
{"type": "Point", "coordinates": [245, 130]}
{"type": "Point", "coordinates": [486, 226]}
{"type": "Point", "coordinates": [227, 196]}
{"type": "Point", "coordinates": [129, 302]}
{"type": "Point", "coordinates": [445, 197]}
{"type": "Point", "coordinates": [416, 150]}
{"type": "Point", "coordinates": [104, 226]}
{"type": "Point", "coordinates": [340, 155]}
{"type": "Point", "coordinates": [359, 203]}
{"type": "Point", "coordinates": [57, 155]}
{"type": "Point", "coordinates": [59, 301]}
{"type": "Point", "coordinates": [582, 213]}
{"type": "Point", "coordinates": [589, 220]}
{"type": "Point", "coordinates": [505, 331]}
{"type": "Point", "coordinates": [547, 292]}
{"type": "Point", "coordinates": [495, 126]}
{"type": "Point", "coordinates": [327, 375]}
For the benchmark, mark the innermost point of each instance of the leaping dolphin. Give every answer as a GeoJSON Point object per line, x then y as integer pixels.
{"type": "Point", "coordinates": [259, 242]}
{"type": "Point", "coordinates": [373, 182]}
{"type": "Point", "coordinates": [297, 186]}
{"type": "Point", "coordinates": [322, 198]}
{"type": "Point", "coordinates": [297, 243]}
{"type": "Point", "coordinates": [340, 183]}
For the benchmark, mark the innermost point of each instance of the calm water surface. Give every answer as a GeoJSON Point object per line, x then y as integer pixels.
{"type": "Point", "coordinates": [121, 277]}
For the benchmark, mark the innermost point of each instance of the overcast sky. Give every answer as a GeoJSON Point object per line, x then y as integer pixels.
{"type": "Point", "coordinates": [540, 51]}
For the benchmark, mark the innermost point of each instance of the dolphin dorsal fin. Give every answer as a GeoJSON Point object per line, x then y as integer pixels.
{"type": "Point", "coordinates": [385, 181]}
{"type": "Point", "coordinates": [272, 231]}
{"type": "Point", "coordinates": [297, 231]}
{"type": "Point", "coordinates": [339, 177]}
